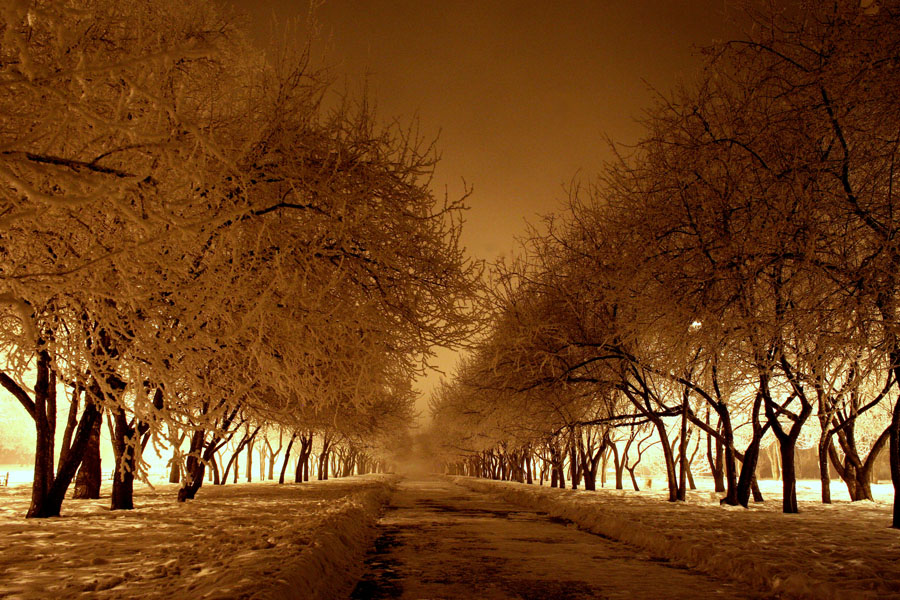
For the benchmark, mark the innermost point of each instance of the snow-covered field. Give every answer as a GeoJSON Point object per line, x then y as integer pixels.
{"type": "Point", "coordinates": [842, 551]}
{"type": "Point", "coordinates": [257, 540]}
{"type": "Point", "coordinates": [18, 474]}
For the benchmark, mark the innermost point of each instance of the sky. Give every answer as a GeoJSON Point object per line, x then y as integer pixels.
{"type": "Point", "coordinates": [522, 95]}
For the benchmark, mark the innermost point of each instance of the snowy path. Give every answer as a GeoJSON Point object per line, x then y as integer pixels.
{"type": "Point", "coordinates": [439, 540]}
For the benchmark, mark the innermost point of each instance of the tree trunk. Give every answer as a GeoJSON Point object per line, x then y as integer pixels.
{"type": "Point", "coordinates": [45, 438]}
{"type": "Point", "coordinates": [634, 482]}
{"type": "Point", "coordinates": [194, 480]}
{"type": "Point", "coordinates": [287, 457]}
{"type": "Point", "coordinates": [788, 474]}
{"type": "Point", "coordinates": [894, 448]}
{"type": "Point", "coordinates": [194, 468]}
{"type": "Point", "coordinates": [123, 490]}
{"type": "Point", "coordinates": [175, 471]}
{"type": "Point", "coordinates": [48, 491]}
{"type": "Point", "coordinates": [271, 467]}
{"type": "Point", "coordinates": [249, 462]}
{"type": "Point", "coordinates": [301, 461]}
{"type": "Point", "coordinates": [560, 466]}
{"type": "Point", "coordinates": [718, 467]}
{"type": "Point", "coordinates": [129, 438]}
{"type": "Point", "coordinates": [754, 489]}
{"type": "Point", "coordinates": [731, 474]}
{"type": "Point", "coordinates": [855, 473]}
{"type": "Point", "coordinates": [67, 470]}
{"type": "Point", "coordinates": [748, 473]}
{"type": "Point", "coordinates": [323, 465]}
{"type": "Point", "coordinates": [90, 475]}
{"type": "Point", "coordinates": [574, 469]}
{"type": "Point", "coordinates": [824, 475]}
{"type": "Point", "coordinates": [716, 464]}
{"type": "Point", "coordinates": [787, 440]}
{"type": "Point", "coordinates": [590, 461]}
{"type": "Point", "coordinates": [682, 449]}
{"type": "Point", "coordinates": [604, 459]}
{"type": "Point", "coordinates": [529, 474]}
{"type": "Point", "coordinates": [747, 481]}
{"type": "Point", "coordinates": [122, 435]}
{"type": "Point", "coordinates": [71, 422]}
{"type": "Point", "coordinates": [671, 477]}
{"type": "Point", "coordinates": [619, 465]}
{"type": "Point", "coordinates": [865, 473]}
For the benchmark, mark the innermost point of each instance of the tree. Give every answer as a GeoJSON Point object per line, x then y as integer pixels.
{"type": "Point", "coordinates": [181, 212]}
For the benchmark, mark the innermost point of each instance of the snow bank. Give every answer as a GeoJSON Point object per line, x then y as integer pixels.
{"type": "Point", "coordinates": [259, 540]}
{"type": "Point", "coordinates": [331, 565]}
{"type": "Point", "coordinates": [842, 551]}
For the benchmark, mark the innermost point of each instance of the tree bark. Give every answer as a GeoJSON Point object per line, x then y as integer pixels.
{"type": "Point", "coordinates": [682, 448]}
{"type": "Point", "coordinates": [748, 473]}
{"type": "Point", "coordinates": [716, 464]}
{"type": "Point", "coordinates": [90, 475]}
{"type": "Point", "coordinates": [894, 448]}
{"type": "Point", "coordinates": [45, 433]}
{"type": "Point", "coordinates": [287, 457]}
{"type": "Point", "coordinates": [250, 459]}
{"type": "Point", "coordinates": [122, 434]}
{"type": "Point", "coordinates": [529, 474]}
{"type": "Point", "coordinates": [747, 478]}
{"type": "Point", "coordinates": [129, 437]}
{"type": "Point", "coordinates": [824, 475]}
{"type": "Point", "coordinates": [574, 470]}
{"type": "Point", "coordinates": [71, 422]}
{"type": "Point", "coordinates": [788, 474]}
{"type": "Point", "coordinates": [671, 477]}
{"type": "Point", "coordinates": [48, 491]}
{"type": "Point", "coordinates": [200, 453]}
{"type": "Point", "coordinates": [175, 471]}
{"type": "Point", "coordinates": [618, 464]}
{"type": "Point", "coordinates": [302, 459]}
{"type": "Point", "coordinates": [67, 470]}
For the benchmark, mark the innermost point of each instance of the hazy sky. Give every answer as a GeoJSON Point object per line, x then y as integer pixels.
{"type": "Point", "coordinates": [522, 93]}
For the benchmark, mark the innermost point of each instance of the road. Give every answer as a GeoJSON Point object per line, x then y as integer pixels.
{"type": "Point", "coordinates": [438, 540]}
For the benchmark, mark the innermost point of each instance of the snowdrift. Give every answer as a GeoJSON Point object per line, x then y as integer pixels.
{"type": "Point", "coordinates": [259, 540]}
{"type": "Point", "coordinates": [333, 562]}
{"type": "Point", "coordinates": [842, 551]}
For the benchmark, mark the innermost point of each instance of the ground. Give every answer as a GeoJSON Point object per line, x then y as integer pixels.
{"type": "Point", "coordinates": [234, 541]}
{"type": "Point", "coordinates": [448, 538]}
{"type": "Point", "coordinates": [842, 551]}
{"type": "Point", "coordinates": [440, 540]}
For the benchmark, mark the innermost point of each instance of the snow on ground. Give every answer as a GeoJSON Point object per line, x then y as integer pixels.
{"type": "Point", "coordinates": [259, 540]}
{"type": "Point", "coordinates": [840, 551]}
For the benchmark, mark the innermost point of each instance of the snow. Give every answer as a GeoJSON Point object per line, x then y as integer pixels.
{"type": "Point", "coordinates": [236, 541]}
{"type": "Point", "coordinates": [845, 550]}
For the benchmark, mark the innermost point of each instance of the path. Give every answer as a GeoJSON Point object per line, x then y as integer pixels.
{"type": "Point", "coordinates": [439, 540]}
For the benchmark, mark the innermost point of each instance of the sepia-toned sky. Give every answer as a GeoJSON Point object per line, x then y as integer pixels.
{"type": "Point", "coordinates": [523, 94]}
